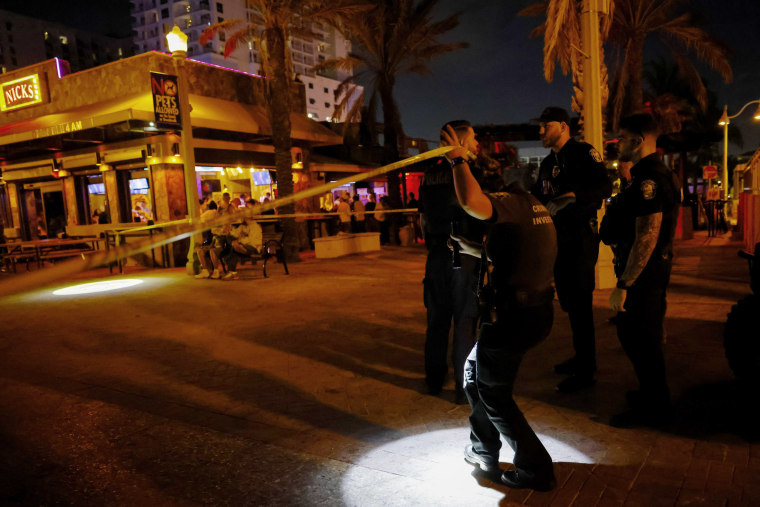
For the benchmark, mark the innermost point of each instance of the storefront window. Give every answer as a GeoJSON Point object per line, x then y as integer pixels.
{"type": "Point", "coordinates": [135, 195]}
{"type": "Point", "coordinates": [91, 201]}
{"type": "Point", "coordinates": [96, 197]}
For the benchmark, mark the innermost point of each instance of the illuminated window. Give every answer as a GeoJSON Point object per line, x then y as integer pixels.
{"type": "Point", "coordinates": [64, 40]}
{"type": "Point", "coordinates": [47, 35]}
{"type": "Point", "coordinates": [120, 52]}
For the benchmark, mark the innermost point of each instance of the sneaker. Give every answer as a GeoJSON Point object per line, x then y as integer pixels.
{"type": "Point", "coordinates": [232, 275]}
{"type": "Point", "coordinates": [575, 383]}
{"type": "Point", "coordinates": [513, 479]}
{"type": "Point", "coordinates": [487, 464]}
{"type": "Point", "coordinates": [216, 275]}
{"type": "Point", "coordinates": [203, 274]}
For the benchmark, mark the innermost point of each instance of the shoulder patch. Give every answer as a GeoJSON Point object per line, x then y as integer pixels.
{"type": "Point", "coordinates": [555, 171]}
{"type": "Point", "coordinates": [595, 155]}
{"type": "Point", "coordinates": [648, 189]}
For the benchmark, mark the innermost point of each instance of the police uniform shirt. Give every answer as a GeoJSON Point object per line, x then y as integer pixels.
{"type": "Point", "coordinates": [653, 189]}
{"type": "Point", "coordinates": [438, 202]}
{"type": "Point", "coordinates": [522, 243]}
{"type": "Point", "coordinates": [577, 168]}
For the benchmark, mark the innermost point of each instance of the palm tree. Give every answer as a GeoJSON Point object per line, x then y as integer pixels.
{"type": "Point", "coordinates": [271, 23]}
{"type": "Point", "coordinates": [563, 42]}
{"type": "Point", "coordinates": [672, 21]}
{"type": "Point", "coordinates": [394, 37]}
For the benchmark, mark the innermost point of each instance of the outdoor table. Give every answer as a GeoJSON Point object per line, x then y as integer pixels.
{"type": "Point", "coordinates": [43, 246]}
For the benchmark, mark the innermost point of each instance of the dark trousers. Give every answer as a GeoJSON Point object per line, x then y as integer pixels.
{"type": "Point", "coordinates": [384, 227]}
{"type": "Point", "coordinates": [489, 379]}
{"type": "Point", "coordinates": [449, 293]}
{"type": "Point", "coordinates": [640, 332]}
{"type": "Point", "coordinates": [574, 278]}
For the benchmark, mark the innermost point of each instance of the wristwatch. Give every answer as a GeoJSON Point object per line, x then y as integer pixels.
{"type": "Point", "coordinates": [458, 160]}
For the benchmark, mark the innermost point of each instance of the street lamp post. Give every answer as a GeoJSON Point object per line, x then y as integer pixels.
{"type": "Point", "coordinates": [724, 121]}
{"type": "Point", "coordinates": [177, 42]}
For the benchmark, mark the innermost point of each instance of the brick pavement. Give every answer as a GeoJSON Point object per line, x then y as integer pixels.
{"type": "Point", "coordinates": [308, 390]}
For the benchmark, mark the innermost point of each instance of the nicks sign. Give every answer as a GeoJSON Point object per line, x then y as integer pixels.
{"type": "Point", "coordinates": [22, 92]}
{"type": "Point", "coordinates": [165, 98]}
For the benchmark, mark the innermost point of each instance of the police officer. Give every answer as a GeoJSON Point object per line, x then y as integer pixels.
{"type": "Point", "coordinates": [450, 278]}
{"type": "Point", "coordinates": [572, 183]}
{"type": "Point", "coordinates": [522, 246]}
{"type": "Point", "coordinates": [647, 219]}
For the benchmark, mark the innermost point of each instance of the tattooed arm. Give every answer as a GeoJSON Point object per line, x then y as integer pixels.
{"type": "Point", "coordinates": [647, 232]}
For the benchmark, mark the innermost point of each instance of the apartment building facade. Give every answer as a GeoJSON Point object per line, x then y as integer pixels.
{"type": "Point", "coordinates": [152, 19]}
{"type": "Point", "coordinates": [25, 41]}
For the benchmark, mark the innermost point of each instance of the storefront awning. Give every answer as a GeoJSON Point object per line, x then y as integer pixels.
{"type": "Point", "coordinates": [207, 112]}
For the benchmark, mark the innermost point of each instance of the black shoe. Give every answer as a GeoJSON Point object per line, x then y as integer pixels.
{"type": "Point", "coordinates": [513, 479]}
{"type": "Point", "coordinates": [637, 417]}
{"type": "Point", "coordinates": [575, 383]}
{"type": "Point", "coordinates": [565, 367]}
{"type": "Point", "coordinates": [487, 464]}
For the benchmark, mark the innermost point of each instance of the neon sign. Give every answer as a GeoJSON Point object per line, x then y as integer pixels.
{"type": "Point", "coordinates": [21, 93]}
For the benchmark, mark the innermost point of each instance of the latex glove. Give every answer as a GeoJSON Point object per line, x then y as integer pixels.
{"type": "Point", "coordinates": [465, 246]}
{"type": "Point", "coordinates": [556, 204]}
{"type": "Point", "coordinates": [617, 299]}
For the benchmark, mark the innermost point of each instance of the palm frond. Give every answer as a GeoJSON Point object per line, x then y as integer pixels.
{"type": "Point", "coordinates": [537, 9]}
{"type": "Point", "coordinates": [232, 25]}
{"type": "Point", "coordinates": [708, 49]}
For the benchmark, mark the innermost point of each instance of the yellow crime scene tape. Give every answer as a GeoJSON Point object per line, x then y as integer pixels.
{"type": "Point", "coordinates": [186, 228]}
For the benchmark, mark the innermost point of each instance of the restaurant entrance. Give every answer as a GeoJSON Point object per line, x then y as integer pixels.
{"type": "Point", "coordinates": [42, 210]}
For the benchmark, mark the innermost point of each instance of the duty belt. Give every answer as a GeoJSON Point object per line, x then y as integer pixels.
{"type": "Point", "coordinates": [525, 298]}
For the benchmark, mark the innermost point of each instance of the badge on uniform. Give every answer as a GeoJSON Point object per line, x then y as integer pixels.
{"type": "Point", "coordinates": [595, 155]}
{"type": "Point", "coordinates": [648, 189]}
{"type": "Point", "coordinates": [555, 171]}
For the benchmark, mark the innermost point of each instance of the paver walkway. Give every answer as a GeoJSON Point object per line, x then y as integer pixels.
{"type": "Point", "coordinates": [308, 390]}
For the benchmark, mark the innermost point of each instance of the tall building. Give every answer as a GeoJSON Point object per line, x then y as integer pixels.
{"type": "Point", "coordinates": [25, 41]}
{"type": "Point", "coordinates": [152, 19]}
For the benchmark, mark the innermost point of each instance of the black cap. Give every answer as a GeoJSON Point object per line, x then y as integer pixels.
{"type": "Point", "coordinates": [554, 114]}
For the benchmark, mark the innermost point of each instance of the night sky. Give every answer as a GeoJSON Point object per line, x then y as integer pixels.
{"type": "Point", "coordinates": [499, 79]}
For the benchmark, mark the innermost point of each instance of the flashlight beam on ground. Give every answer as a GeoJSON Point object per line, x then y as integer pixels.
{"type": "Point", "coordinates": [42, 278]}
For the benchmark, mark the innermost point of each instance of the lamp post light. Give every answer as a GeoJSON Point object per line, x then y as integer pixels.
{"type": "Point", "coordinates": [725, 119]}
{"type": "Point", "coordinates": [177, 42]}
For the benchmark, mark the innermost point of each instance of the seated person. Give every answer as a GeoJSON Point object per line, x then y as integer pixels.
{"type": "Point", "coordinates": [246, 240]}
{"type": "Point", "coordinates": [210, 253]}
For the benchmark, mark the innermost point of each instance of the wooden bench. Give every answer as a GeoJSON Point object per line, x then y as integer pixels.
{"type": "Point", "coordinates": [68, 253]}
{"type": "Point", "coordinates": [10, 260]}
{"type": "Point", "coordinates": [271, 247]}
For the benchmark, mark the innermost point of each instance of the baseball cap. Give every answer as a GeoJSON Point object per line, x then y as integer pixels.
{"type": "Point", "coordinates": [554, 114]}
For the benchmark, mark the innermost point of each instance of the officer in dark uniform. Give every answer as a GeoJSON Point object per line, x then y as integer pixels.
{"type": "Point", "coordinates": [522, 247]}
{"type": "Point", "coordinates": [572, 183]}
{"type": "Point", "coordinates": [646, 216]}
{"type": "Point", "coordinates": [450, 278]}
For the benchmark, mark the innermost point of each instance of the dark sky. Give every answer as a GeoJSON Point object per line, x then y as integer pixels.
{"type": "Point", "coordinates": [499, 79]}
